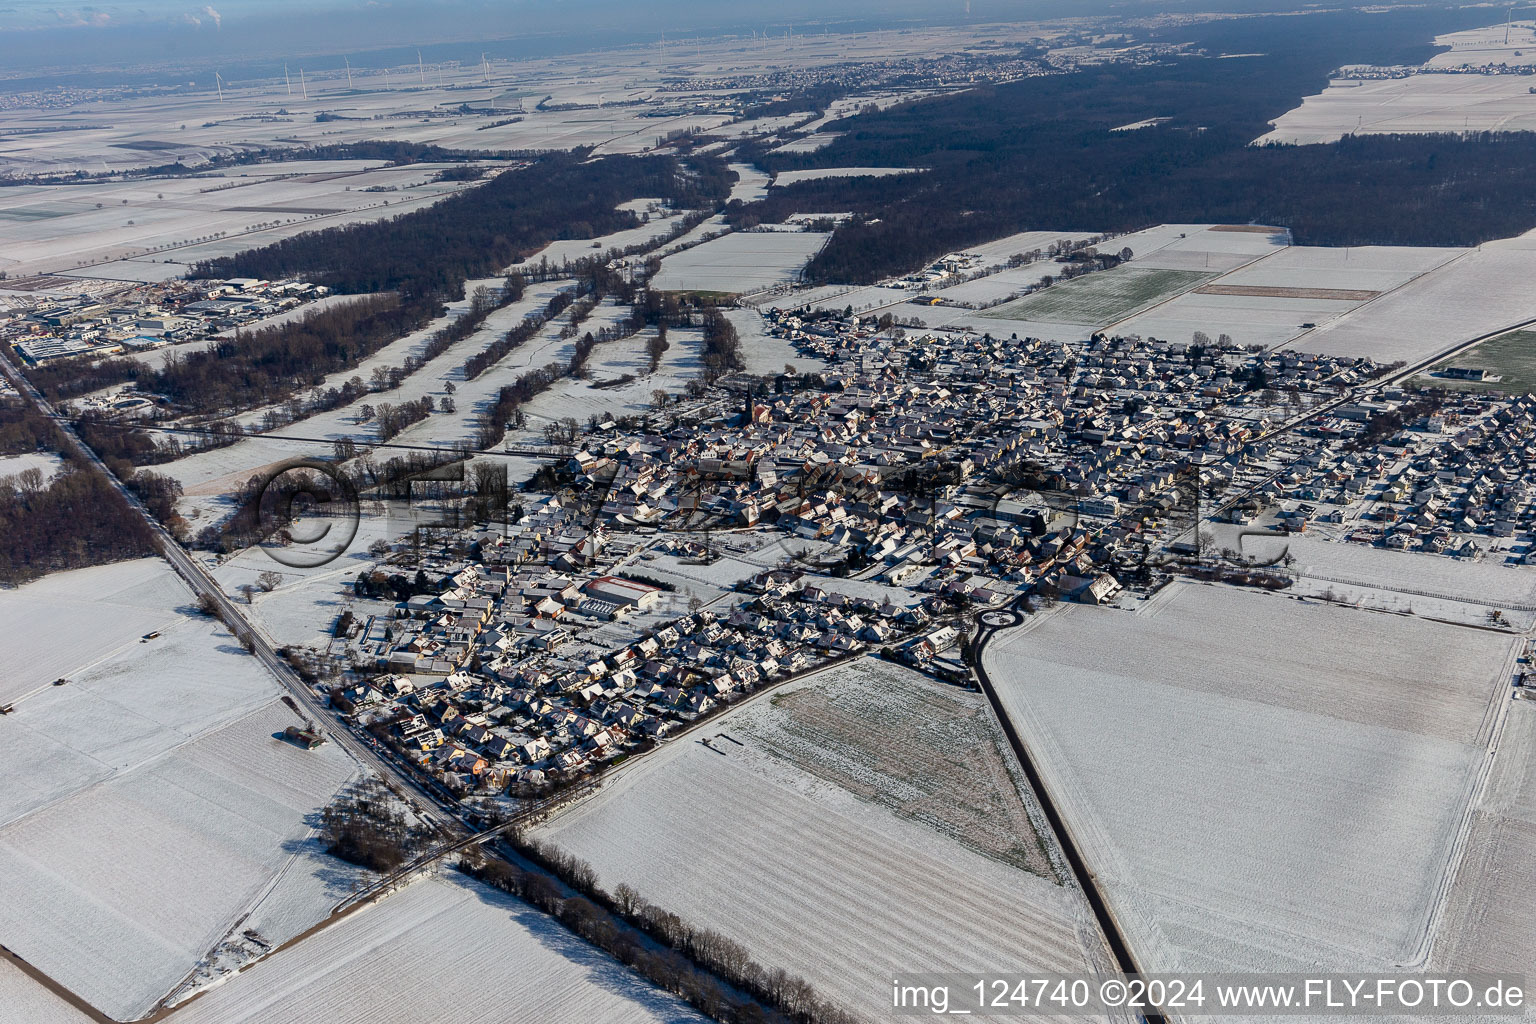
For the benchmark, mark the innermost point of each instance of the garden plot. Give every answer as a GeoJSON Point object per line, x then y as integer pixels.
{"type": "Point", "coordinates": [120, 602]}
{"type": "Point", "coordinates": [1102, 298]}
{"type": "Point", "coordinates": [741, 261]}
{"type": "Point", "coordinates": [443, 949]}
{"type": "Point", "coordinates": [1260, 783]}
{"type": "Point", "coordinates": [119, 889]}
{"type": "Point", "coordinates": [1485, 290]}
{"type": "Point", "coordinates": [811, 878]}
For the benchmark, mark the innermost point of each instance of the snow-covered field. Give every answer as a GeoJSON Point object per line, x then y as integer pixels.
{"type": "Point", "coordinates": [148, 802]}
{"type": "Point", "coordinates": [741, 261]}
{"type": "Point", "coordinates": [1427, 103]}
{"type": "Point", "coordinates": [1511, 42]}
{"type": "Point", "coordinates": [791, 177]}
{"type": "Point", "coordinates": [51, 229]}
{"type": "Point", "coordinates": [1203, 247]}
{"type": "Point", "coordinates": [809, 876]}
{"type": "Point", "coordinates": [1489, 926]}
{"type": "Point", "coordinates": [1291, 287]}
{"type": "Point", "coordinates": [1417, 104]}
{"type": "Point", "coordinates": [1249, 319]}
{"type": "Point", "coordinates": [1260, 783]}
{"type": "Point", "coordinates": [1484, 290]}
{"type": "Point", "coordinates": [45, 463]}
{"type": "Point", "coordinates": [29, 1001]}
{"type": "Point", "coordinates": [1100, 299]}
{"type": "Point", "coordinates": [443, 949]}
{"type": "Point", "coordinates": [68, 620]}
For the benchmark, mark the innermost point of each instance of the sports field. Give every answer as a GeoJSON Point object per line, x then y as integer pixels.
{"type": "Point", "coordinates": [1510, 357]}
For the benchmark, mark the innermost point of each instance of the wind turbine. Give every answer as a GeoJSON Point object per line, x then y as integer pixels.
{"type": "Point", "coordinates": [421, 68]}
{"type": "Point", "coordinates": [286, 80]}
{"type": "Point", "coordinates": [302, 85]}
{"type": "Point", "coordinates": [348, 63]}
{"type": "Point", "coordinates": [219, 84]}
{"type": "Point", "coordinates": [485, 68]}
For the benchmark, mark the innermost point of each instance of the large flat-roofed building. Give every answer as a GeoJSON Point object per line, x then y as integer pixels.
{"type": "Point", "coordinates": [47, 349]}
{"type": "Point", "coordinates": [619, 591]}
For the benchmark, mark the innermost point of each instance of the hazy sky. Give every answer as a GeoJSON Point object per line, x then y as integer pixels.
{"type": "Point", "coordinates": [79, 36]}
{"type": "Point", "coordinates": [76, 37]}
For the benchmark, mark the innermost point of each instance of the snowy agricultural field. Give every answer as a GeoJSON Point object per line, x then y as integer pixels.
{"type": "Point", "coordinates": [1486, 289]}
{"type": "Point", "coordinates": [1419, 104]}
{"type": "Point", "coordinates": [659, 226]}
{"type": "Point", "coordinates": [1208, 248]}
{"type": "Point", "coordinates": [47, 229]}
{"type": "Point", "coordinates": [30, 1001]}
{"type": "Point", "coordinates": [1488, 924]}
{"type": "Point", "coordinates": [999, 286]}
{"type": "Point", "coordinates": [832, 884]}
{"type": "Point", "coordinates": [741, 261]}
{"type": "Point", "coordinates": [1261, 783]}
{"type": "Point", "coordinates": [1359, 268]}
{"type": "Point", "coordinates": [1409, 572]}
{"type": "Point", "coordinates": [841, 296]}
{"type": "Point", "coordinates": [751, 183]}
{"type": "Point", "coordinates": [445, 948]}
{"type": "Point", "coordinates": [1100, 299]}
{"type": "Point", "coordinates": [890, 735]}
{"type": "Point", "coordinates": [152, 804]}
{"type": "Point", "coordinates": [1508, 42]}
{"type": "Point", "coordinates": [1249, 319]}
{"type": "Point", "coordinates": [46, 619]}
{"type": "Point", "coordinates": [1271, 300]}
{"type": "Point", "coordinates": [814, 174]}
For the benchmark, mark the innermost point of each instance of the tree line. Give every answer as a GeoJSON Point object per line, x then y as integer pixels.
{"type": "Point", "coordinates": [72, 520]}
{"type": "Point", "coordinates": [689, 961]}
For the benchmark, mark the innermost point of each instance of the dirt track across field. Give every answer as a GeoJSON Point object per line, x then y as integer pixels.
{"type": "Point", "coordinates": [1271, 292]}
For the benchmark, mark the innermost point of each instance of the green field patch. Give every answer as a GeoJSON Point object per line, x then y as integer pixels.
{"type": "Point", "coordinates": [1510, 357]}
{"type": "Point", "coordinates": [1102, 298]}
{"type": "Point", "coordinates": [26, 213]}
